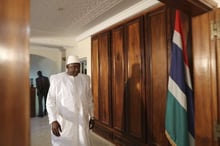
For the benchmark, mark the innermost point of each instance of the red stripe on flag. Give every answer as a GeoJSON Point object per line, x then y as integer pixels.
{"type": "Point", "coordinates": [178, 28]}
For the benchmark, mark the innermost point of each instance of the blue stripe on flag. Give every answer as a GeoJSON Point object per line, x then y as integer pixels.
{"type": "Point", "coordinates": [177, 67]}
{"type": "Point", "coordinates": [190, 109]}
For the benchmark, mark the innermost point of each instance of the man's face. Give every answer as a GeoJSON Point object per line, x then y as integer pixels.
{"type": "Point", "coordinates": [73, 69]}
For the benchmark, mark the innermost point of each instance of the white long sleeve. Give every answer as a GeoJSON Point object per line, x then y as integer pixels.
{"type": "Point", "coordinates": [51, 101]}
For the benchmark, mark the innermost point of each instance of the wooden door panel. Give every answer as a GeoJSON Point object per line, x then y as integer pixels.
{"type": "Point", "coordinates": [104, 76]}
{"type": "Point", "coordinates": [202, 78]}
{"type": "Point", "coordinates": [118, 78]}
{"type": "Point", "coordinates": [159, 74]}
{"type": "Point", "coordinates": [135, 97]}
{"type": "Point", "coordinates": [215, 69]}
{"type": "Point", "coordinates": [217, 48]}
{"type": "Point", "coordinates": [95, 75]}
{"type": "Point", "coordinates": [206, 63]}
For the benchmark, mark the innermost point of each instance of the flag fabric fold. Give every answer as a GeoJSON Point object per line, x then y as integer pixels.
{"type": "Point", "coordinates": [179, 120]}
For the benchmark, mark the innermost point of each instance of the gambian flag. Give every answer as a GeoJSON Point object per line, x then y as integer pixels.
{"type": "Point", "coordinates": [179, 122]}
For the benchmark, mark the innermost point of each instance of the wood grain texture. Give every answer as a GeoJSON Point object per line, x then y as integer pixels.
{"type": "Point", "coordinates": [95, 75]}
{"type": "Point", "coordinates": [192, 7]}
{"type": "Point", "coordinates": [118, 79]}
{"type": "Point", "coordinates": [158, 71]}
{"type": "Point", "coordinates": [137, 88]}
{"type": "Point", "coordinates": [135, 97]}
{"type": "Point", "coordinates": [104, 79]}
{"type": "Point", "coordinates": [14, 71]}
{"type": "Point", "coordinates": [203, 81]}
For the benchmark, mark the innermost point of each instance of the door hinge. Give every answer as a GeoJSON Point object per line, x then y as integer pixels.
{"type": "Point", "coordinates": [217, 131]}
{"type": "Point", "coordinates": [215, 29]}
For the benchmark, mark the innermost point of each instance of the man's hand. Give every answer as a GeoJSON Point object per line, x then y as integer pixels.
{"type": "Point", "coordinates": [56, 128]}
{"type": "Point", "coordinates": [91, 123]}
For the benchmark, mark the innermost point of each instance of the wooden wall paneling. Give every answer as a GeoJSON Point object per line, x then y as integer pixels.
{"type": "Point", "coordinates": [215, 69]}
{"type": "Point", "coordinates": [192, 7]}
{"type": "Point", "coordinates": [147, 41]}
{"type": "Point", "coordinates": [217, 49]}
{"type": "Point", "coordinates": [203, 85]}
{"type": "Point", "coordinates": [95, 74]}
{"type": "Point", "coordinates": [157, 69]}
{"type": "Point", "coordinates": [32, 101]}
{"type": "Point", "coordinates": [14, 71]}
{"type": "Point", "coordinates": [135, 82]}
{"type": "Point", "coordinates": [120, 141]}
{"type": "Point", "coordinates": [103, 130]}
{"type": "Point", "coordinates": [104, 79]}
{"type": "Point", "coordinates": [118, 79]}
{"type": "Point", "coordinates": [145, 101]}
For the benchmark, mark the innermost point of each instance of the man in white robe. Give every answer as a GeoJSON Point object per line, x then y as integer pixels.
{"type": "Point", "coordinates": [70, 106]}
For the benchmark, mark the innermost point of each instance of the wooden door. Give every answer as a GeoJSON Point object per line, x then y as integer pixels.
{"type": "Point", "coordinates": [100, 77]}
{"type": "Point", "coordinates": [101, 83]}
{"type": "Point", "coordinates": [157, 73]}
{"type": "Point", "coordinates": [135, 91]}
{"type": "Point", "coordinates": [217, 51]}
{"type": "Point", "coordinates": [206, 66]}
{"type": "Point", "coordinates": [14, 73]}
{"type": "Point", "coordinates": [104, 76]}
{"type": "Point", "coordinates": [118, 79]}
{"type": "Point", "coordinates": [95, 75]}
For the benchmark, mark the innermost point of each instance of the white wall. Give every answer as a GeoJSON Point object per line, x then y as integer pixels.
{"type": "Point", "coordinates": [53, 54]}
{"type": "Point", "coordinates": [43, 64]}
{"type": "Point", "coordinates": [48, 60]}
{"type": "Point", "coordinates": [218, 1]}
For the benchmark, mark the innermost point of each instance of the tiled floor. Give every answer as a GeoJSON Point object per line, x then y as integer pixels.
{"type": "Point", "coordinates": [40, 134]}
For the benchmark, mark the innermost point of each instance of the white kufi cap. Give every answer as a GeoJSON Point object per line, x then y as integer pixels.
{"type": "Point", "coordinates": [72, 59]}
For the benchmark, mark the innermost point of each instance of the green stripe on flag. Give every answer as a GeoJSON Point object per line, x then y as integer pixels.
{"type": "Point", "coordinates": [176, 122]}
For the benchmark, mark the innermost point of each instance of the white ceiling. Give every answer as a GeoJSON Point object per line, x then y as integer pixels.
{"type": "Point", "coordinates": [63, 22]}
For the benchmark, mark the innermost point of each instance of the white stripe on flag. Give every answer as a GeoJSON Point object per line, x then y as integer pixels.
{"type": "Point", "coordinates": [188, 78]}
{"type": "Point", "coordinates": [191, 140]}
{"type": "Point", "coordinates": [177, 39]}
{"type": "Point", "coordinates": [177, 93]}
